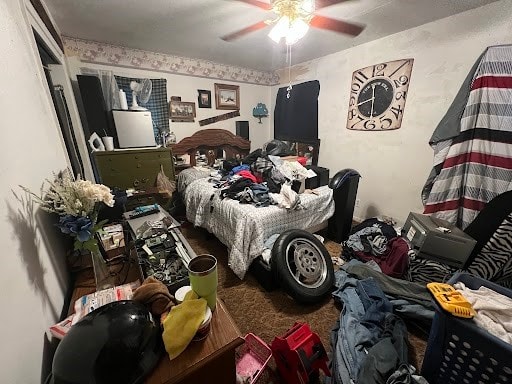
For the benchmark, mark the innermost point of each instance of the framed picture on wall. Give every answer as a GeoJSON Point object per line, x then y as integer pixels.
{"type": "Point", "coordinates": [182, 111]}
{"type": "Point", "coordinates": [204, 98]}
{"type": "Point", "coordinates": [227, 96]}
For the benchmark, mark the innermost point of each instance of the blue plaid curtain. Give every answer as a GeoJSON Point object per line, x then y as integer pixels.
{"type": "Point", "coordinates": [157, 103]}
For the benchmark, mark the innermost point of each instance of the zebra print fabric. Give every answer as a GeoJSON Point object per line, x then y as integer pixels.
{"type": "Point", "coordinates": [493, 263]}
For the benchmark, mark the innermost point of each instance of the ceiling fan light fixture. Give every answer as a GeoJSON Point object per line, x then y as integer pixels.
{"type": "Point", "coordinates": [293, 19]}
{"type": "Point", "coordinates": [298, 29]}
{"type": "Point", "coordinates": [280, 30]}
{"type": "Point", "coordinates": [291, 31]}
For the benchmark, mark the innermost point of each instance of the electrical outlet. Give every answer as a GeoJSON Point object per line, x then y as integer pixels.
{"type": "Point", "coordinates": [358, 203]}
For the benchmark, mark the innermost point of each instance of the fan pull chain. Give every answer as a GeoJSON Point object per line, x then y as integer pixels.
{"type": "Point", "coordinates": [289, 59]}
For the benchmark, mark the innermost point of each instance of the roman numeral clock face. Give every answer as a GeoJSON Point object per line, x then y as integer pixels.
{"type": "Point", "coordinates": [377, 96]}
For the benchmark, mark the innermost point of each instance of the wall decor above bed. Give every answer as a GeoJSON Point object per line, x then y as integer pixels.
{"type": "Point", "coordinates": [204, 98]}
{"type": "Point", "coordinates": [182, 111]}
{"type": "Point", "coordinates": [218, 118]}
{"type": "Point", "coordinates": [227, 96]}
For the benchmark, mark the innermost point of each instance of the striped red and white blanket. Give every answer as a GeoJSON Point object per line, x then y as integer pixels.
{"type": "Point", "coordinates": [474, 166]}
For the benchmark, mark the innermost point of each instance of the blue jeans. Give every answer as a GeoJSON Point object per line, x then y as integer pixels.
{"type": "Point", "coordinates": [409, 300]}
{"type": "Point", "coordinates": [364, 309]}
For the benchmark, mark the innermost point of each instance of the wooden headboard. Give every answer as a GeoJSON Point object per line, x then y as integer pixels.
{"type": "Point", "coordinates": [210, 140]}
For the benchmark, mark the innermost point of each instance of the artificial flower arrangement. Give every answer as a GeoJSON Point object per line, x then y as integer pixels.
{"type": "Point", "coordinates": [77, 202]}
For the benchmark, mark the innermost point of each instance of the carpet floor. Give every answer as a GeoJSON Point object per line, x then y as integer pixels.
{"type": "Point", "coordinates": [270, 314]}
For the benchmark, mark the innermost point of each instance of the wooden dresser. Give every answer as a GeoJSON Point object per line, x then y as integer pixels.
{"type": "Point", "coordinates": [134, 168]}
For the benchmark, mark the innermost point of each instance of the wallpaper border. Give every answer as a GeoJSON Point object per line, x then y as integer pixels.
{"type": "Point", "coordinates": [103, 53]}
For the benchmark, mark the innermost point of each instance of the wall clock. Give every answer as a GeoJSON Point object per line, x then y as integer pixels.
{"type": "Point", "coordinates": [377, 96]}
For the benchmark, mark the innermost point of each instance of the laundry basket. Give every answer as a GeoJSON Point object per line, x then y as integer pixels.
{"type": "Point", "coordinates": [461, 352]}
{"type": "Point", "coordinates": [252, 357]}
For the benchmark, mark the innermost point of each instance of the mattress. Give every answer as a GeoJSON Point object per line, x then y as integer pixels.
{"type": "Point", "coordinates": [244, 228]}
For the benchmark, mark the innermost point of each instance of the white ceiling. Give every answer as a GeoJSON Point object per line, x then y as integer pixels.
{"type": "Point", "coordinates": [191, 28]}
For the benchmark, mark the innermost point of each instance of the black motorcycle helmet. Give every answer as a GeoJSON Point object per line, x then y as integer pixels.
{"type": "Point", "coordinates": [119, 342]}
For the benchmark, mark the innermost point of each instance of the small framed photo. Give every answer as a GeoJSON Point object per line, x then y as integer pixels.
{"type": "Point", "coordinates": [227, 96]}
{"type": "Point", "coordinates": [182, 111]}
{"type": "Point", "coordinates": [204, 98]}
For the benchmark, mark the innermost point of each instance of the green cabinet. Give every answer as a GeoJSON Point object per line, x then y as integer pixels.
{"type": "Point", "coordinates": [136, 168]}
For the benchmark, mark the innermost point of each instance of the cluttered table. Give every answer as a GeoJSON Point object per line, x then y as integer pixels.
{"type": "Point", "coordinates": [208, 360]}
{"type": "Point", "coordinates": [211, 360]}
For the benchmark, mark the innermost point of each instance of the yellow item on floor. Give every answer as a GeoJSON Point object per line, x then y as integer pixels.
{"type": "Point", "coordinates": [182, 323]}
{"type": "Point", "coordinates": [451, 300]}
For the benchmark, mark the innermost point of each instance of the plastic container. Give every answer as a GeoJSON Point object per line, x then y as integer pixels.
{"type": "Point", "coordinates": [252, 358]}
{"type": "Point", "coordinates": [461, 352]}
{"type": "Point", "coordinates": [122, 100]}
{"type": "Point", "coordinates": [180, 293]}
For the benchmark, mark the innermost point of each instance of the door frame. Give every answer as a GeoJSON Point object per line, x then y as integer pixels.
{"type": "Point", "coordinates": [38, 26]}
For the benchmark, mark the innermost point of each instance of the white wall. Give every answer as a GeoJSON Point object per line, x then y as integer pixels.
{"type": "Point", "coordinates": [32, 276]}
{"type": "Point", "coordinates": [395, 164]}
{"type": "Point", "coordinates": [186, 87]}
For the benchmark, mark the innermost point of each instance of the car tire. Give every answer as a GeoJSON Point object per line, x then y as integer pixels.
{"type": "Point", "coordinates": [302, 265]}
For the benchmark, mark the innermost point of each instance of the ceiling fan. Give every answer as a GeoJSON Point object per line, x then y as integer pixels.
{"type": "Point", "coordinates": [293, 19]}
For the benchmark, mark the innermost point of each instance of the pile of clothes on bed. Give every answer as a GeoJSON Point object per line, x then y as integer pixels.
{"type": "Point", "coordinates": [262, 180]}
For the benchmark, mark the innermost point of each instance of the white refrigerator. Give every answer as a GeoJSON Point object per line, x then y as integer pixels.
{"type": "Point", "coordinates": [134, 129]}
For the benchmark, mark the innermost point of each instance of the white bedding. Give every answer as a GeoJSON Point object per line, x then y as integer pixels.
{"type": "Point", "coordinates": [244, 228]}
{"type": "Point", "coordinates": [189, 175]}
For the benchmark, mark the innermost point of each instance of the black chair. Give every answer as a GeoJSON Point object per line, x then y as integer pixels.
{"type": "Point", "coordinates": [488, 220]}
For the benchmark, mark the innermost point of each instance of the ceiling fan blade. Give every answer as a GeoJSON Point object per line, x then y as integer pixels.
{"type": "Point", "coordinates": [327, 3]}
{"type": "Point", "coordinates": [259, 4]}
{"type": "Point", "coordinates": [323, 22]}
{"type": "Point", "coordinates": [241, 32]}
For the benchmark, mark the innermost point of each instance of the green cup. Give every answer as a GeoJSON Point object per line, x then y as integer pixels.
{"type": "Point", "coordinates": [202, 272]}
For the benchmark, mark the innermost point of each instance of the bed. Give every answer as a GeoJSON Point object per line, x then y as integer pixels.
{"type": "Point", "coordinates": [242, 228]}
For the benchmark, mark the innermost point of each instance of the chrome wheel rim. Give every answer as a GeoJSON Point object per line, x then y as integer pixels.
{"type": "Point", "coordinates": [306, 263]}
